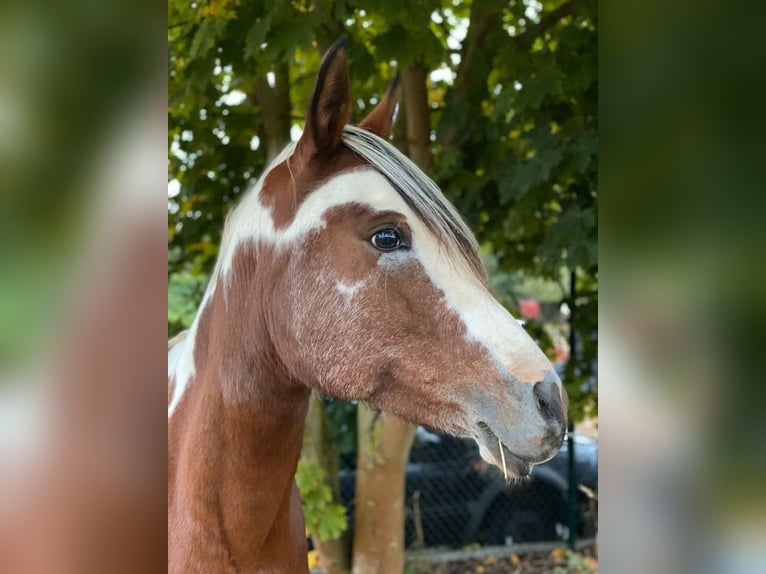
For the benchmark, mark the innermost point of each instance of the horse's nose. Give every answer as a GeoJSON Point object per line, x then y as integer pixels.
{"type": "Point", "coordinates": [551, 399]}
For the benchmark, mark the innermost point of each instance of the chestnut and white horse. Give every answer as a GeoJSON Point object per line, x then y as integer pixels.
{"type": "Point", "coordinates": [344, 270]}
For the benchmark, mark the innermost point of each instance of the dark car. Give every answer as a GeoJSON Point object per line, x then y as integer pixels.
{"type": "Point", "coordinates": [454, 498]}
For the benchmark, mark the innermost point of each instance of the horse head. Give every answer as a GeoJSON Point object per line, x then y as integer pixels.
{"type": "Point", "coordinates": [370, 287]}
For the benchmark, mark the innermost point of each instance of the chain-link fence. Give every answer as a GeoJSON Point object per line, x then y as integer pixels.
{"type": "Point", "coordinates": [455, 499]}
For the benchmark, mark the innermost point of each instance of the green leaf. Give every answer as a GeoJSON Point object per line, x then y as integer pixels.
{"type": "Point", "coordinates": [333, 523]}
{"type": "Point", "coordinates": [582, 149]}
{"type": "Point", "coordinates": [184, 295]}
{"type": "Point", "coordinates": [322, 516]}
{"type": "Point", "coordinates": [206, 37]}
{"type": "Point", "coordinates": [575, 234]}
{"type": "Point", "coordinates": [518, 178]}
{"type": "Point", "coordinates": [292, 33]}
{"type": "Point", "coordinates": [545, 81]}
{"type": "Point", "coordinates": [256, 36]}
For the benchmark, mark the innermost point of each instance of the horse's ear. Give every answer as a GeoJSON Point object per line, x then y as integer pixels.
{"type": "Point", "coordinates": [330, 108]}
{"type": "Point", "coordinates": [379, 120]}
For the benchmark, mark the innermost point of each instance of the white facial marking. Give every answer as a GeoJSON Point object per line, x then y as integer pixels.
{"type": "Point", "coordinates": [349, 289]}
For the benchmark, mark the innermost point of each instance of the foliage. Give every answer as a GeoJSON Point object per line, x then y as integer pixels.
{"type": "Point", "coordinates": [323, 517]}
{"type": "Point", "coordinates": [184, 293]}
{"type": "Point", "coordinates": [575, 562]}
{"type": "Point", "coordinates": [342, 418]}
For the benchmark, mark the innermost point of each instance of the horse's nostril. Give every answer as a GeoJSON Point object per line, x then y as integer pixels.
{"type": "Point", "coordinates": [548, 399]}
{"type": "Point", "coordinates": [545, 409]}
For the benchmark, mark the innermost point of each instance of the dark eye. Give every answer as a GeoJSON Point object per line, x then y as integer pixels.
{"type": "Point", "coordinates": [386, 239]}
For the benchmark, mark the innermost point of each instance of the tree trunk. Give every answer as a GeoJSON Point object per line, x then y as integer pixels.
{"type": "Point", "coordinates": [318, 447]}
{"type": "Point", "coordinates": [399, 129]}
{"type": "Point", "coordinates": [275, 110]}
{"type": "Point", "coordinates": [384, 447]}
{"type": "Point", "coordinates": [415, 91]}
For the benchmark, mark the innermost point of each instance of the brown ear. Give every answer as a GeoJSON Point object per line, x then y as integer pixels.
{"type": "Point", "coordinates": [330, 108]}
{"type": "Point", "coordinates": [379, 120]}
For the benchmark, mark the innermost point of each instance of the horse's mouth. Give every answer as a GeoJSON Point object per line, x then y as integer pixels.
{"type": "Point", "coordinates": [512, 465]}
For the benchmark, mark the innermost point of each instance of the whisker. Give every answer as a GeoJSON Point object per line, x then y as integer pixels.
{"type": "Point", "coordinates": [385, 286]}
{"type": "Point", "coordinates": [502, 457]}
{"type": "Point", "coordinates": [292, 177]}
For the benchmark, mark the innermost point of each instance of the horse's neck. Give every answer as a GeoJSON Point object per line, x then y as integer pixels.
{"type": "Point", "coordinates": [234, 443]}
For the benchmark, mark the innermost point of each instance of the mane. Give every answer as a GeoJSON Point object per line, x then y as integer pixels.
{"type": "Point", "coordinates": [418, 191]}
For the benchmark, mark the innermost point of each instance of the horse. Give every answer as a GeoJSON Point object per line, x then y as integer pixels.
{"type": "Point", "coordinates": [344, 270]}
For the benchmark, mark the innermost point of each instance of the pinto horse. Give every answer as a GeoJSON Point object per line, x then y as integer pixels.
{"type": "Point", "coordinates": [345, 270]}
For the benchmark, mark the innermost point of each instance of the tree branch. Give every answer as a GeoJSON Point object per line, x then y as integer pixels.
{"type": "Point", "coordinates": [485, 18]}
{"type": "Point", "coordinates": [332, 28]}
{"type": "Point", "coordinates": [415, 96]}
{"type": "Point", "coordinates": [547, 22]}
{"type": "Point", "coordinates": [275, 109]}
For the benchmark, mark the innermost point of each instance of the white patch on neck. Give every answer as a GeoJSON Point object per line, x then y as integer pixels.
{"type": "Point", "coordinates": [250, 220]}
{"type": "Point", "coordinates": [181, 357]}
{"type": "Point", "coordinates": [181, 368]}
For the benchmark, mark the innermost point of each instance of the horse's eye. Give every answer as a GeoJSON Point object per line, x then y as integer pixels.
{"type": "Point", "coordinates": [386, 239]}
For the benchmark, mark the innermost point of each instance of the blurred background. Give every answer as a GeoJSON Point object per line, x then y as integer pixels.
{"type": "Point", "coordinates": [682, 311]}
{"type": "Point", "coordinates": [498, 105]}
{"type": "Point", "coordinates": [84, 224]}
{"type": "Point", "coordinates": [83, 286]}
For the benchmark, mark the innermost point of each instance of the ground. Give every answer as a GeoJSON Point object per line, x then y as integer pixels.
{"type": "Point", "coordinates": [558, 561]}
